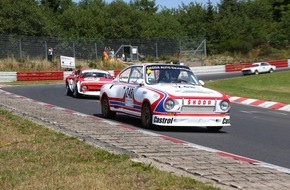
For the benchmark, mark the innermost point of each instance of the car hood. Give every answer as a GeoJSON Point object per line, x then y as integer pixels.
{"type": "Point", "coordinates": [187, 90]}
{"type": "Point", "coordinates": [95, 79]}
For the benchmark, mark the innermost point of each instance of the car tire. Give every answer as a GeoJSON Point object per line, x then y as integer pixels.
{"type": "Point", "coordinates": [76, 93]}
{"type": "Point", "coordinates": [271, 71]}
{"type": "Point", "coordinates": [68, 91]}
{"type": "Point", "coordinates": [106, 111]}
{"type": "Point", "coordinates": [256, 72]}
{"type": "Point", "coordinates": [214, 129]}
{"type": "Point", "coordinates": [146, 116]}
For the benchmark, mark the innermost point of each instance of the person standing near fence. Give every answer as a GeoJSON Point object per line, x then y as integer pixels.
{"type": "Point", "coordinates": [105, 55]}
{"type": "Point", "coordinates": [50, 54]}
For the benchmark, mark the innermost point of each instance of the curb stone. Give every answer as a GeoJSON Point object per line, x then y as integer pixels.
{"type": "Point", "coordinates": [260, 103]}
{"type": "Point", "coordinates": [218, 168]}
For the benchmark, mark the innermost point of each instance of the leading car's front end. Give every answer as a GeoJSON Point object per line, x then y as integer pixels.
{"type": "Point", "coordinates": [183, 101]}
{"type": "Point", "coordinates": [191, 108]}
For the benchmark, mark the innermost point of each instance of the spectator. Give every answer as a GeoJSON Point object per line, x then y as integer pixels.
{"type": "Point", "coordinates": [50, 54]}
{"type": "Point", "coordinates": [105, 55]}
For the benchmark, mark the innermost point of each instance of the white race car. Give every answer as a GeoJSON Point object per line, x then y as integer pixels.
{"type": "Point", "coordinates": [257, 68]}
{"type": "Point", "coordinates": [165, 95]}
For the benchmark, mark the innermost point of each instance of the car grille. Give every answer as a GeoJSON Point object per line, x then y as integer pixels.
{"type": "Point", "coordinates": [197, 109]}
{"type": "Point", "coordinates": [94, 87]}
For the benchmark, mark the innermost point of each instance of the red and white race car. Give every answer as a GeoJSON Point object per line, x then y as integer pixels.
{"type": "Point", "coordinates": [165, 95]}
{"type": "Point", "coordinates": [86, 82]}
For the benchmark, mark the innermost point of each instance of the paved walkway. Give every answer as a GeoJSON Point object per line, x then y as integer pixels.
{"type": "Point", "coordinates": [218, 168]}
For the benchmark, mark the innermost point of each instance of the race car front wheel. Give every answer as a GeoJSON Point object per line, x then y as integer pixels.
{"type": "Point", "coordinates": [146, 116]}
{"type": "Point", "coordinates": [76, 93]}
{"type": "Point", "coordinates": [68, 91]}
{"type": "Point", "coordinates": [106, 111]}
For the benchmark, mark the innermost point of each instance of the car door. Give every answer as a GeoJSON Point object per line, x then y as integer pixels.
{"type": "Point", "coordinates": [132, 86]}
{"type": "Point", "coordinates": [264, 67]}
{"type": "Point", "coordinates": [121, 89]}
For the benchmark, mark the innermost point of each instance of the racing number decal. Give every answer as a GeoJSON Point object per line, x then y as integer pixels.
{"type": "Point", "coordinates": [129, 95]}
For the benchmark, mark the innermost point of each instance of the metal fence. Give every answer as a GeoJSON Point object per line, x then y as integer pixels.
{"type": "Point", "coordinates": [22, 47]}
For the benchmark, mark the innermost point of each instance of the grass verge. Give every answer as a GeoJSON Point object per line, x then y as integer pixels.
{"type": "Point", "coordinates": [271, 87]}
{"type": "Point", "coordinates": [34, 157]}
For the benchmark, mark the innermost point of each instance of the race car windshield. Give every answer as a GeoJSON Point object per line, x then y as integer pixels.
{"type": "Point", "coordinates": [94, 74]}
{"type": "Point", "coordinates": [170, 74]}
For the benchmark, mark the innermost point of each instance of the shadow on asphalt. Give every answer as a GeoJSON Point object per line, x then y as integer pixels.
{"type": "Point", "coordinates": [135, 122]}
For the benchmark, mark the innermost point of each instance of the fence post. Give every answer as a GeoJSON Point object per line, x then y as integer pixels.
{"type": "Point", "coordinates": [20, 49]}
{"type": "Point", "coordinates": [205, 53]}
{"type": "Point", "coordinates": [45, 49]}
{"type": "Point", "coordinates": [156, 50]}
{"type": "Point", "coordinates": [74, 52]}
{"type": "Point", "coordinates": [179, 52]}
{"type": "Point", "coordinates": [96, 49]}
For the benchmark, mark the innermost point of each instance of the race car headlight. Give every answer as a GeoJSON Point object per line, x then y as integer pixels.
{"type": "Point", "coordinates": [84, 88]}
{"type": "Point", "coordinates": [224, 105]}
{"type": "Point", "coordinates": [169, 104]}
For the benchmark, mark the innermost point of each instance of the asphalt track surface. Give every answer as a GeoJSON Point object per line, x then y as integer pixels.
{"type": "Point", "coordinates": [256, 133]}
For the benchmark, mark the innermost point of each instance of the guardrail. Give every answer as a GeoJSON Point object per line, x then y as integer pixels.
{"type": "Point", "coordinates": [39, 75]}
{"type": "Point", "coordinates": [61, 75]}
{"type": "Point", "coordinates": [7, 76]}
{"type": "Point", "coordinates": [208, 69]}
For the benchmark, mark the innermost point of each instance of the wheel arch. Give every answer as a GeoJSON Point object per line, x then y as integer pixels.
{"type": "Point", "coordinates": [104, 94]}
{"type": "Point", "coordinates": [146, 101]}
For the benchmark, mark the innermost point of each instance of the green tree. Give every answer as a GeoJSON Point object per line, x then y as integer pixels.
{"type": "Point", "coordinates": [281, 37]}
{"type": "Point", "coordinates": [279, 8]}
{"type": "Point", "coordinates": [121, 21]}
{"type": "Point", "coordinates": [85, 21]}
{"type": "Point", "coordinates": [192, 18]}
{"type": "Point", "coordinates": [21, 17]}
{"type": "Point", "coordinates": [145, 5]}
{"type": "Point", "coordinates": [162, 25]}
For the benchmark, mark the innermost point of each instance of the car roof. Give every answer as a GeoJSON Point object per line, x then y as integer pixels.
{"type": "Point", "coordinates": [257, 63]}
{"type": "Point", "coordinates": [93, 70]}
{"type": "Point", "coordinates": [153, 64]}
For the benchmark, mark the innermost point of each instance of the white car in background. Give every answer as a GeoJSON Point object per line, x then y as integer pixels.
{"type": "Point", "coordinates": [257, 68]}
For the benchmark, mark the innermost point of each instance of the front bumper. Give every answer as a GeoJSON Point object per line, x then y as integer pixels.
{"type": "Point", "coordinates": [90, 93]}
{"type": "Point", "coordinates": [192, 121]}
{"type": "Point", "coordinates": [247, 72]}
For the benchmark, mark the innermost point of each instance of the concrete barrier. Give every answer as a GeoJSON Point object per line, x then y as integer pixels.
{"type": "Point", "coordinates": [208, 69]}
{"type": "Point", "coordinates": [12, 76]}
{"type": "Point", "coordinates": [39, 75]}
{"type": "Point", "coordinates": [8, 76]}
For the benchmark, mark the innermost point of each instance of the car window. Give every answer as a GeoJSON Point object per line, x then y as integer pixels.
{"type": "Point", "coordinates": [254, 65]}
{"type": "Point", "coordinates": [136, 73]}
{"type": "Point", "coordinates": [124, 76]}
{"type": "Point", "coordinates": [170, 74]}
{"type": "Point", "coordinates": [94, 74]}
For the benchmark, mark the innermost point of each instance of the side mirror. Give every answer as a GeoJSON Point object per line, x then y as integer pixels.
{"type": "Point", "coordinates": [201, 82]}
{"type": "Point", "coordinates": [140, 82]}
